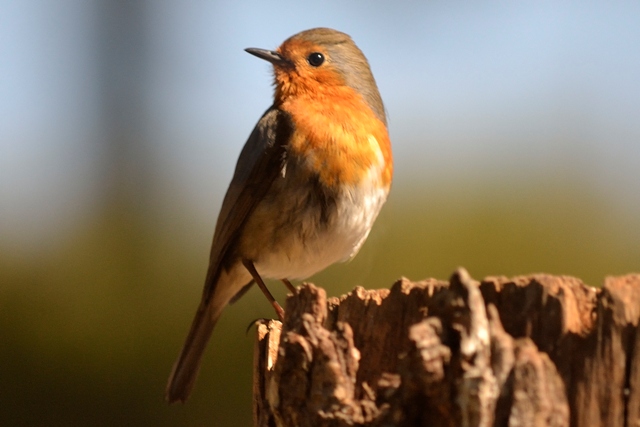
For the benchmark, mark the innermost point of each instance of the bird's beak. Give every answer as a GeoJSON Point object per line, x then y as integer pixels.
{"type": "Point", "coordinates": [268, 55]}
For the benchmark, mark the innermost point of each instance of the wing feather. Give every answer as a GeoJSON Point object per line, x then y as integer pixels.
{"type": "Point", "coordinates": [260, 162]}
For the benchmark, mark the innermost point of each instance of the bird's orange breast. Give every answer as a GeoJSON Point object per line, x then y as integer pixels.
{"type": "Point", "coordinates": [339, 137]}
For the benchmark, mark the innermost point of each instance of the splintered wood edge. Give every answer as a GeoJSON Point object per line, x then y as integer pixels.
{"type": "Point", "coordinates": [623, 291]}
{"type": "Point", "coordinates": [266, 343]}
{"type": "Point", "coordinates": [267, 340]}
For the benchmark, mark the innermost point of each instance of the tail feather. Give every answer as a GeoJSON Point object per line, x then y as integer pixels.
{"type": "Point", "coordinates": [185, 370]}
{"type": "Point", "coordinates": [217, 294]}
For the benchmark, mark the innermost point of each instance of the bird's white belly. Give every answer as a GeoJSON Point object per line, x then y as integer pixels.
{"type": "Point", "coordinates": [299, 255]}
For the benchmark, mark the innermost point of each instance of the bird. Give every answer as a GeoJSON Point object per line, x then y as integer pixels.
{"type": "Point", "coordinates": [307, 187]}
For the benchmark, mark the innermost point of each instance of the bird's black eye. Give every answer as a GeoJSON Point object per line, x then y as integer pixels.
{"type": "Point", "coordinates": [315, 59]}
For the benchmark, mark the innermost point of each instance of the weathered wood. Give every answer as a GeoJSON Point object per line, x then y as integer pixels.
{"type": "Point", "coordinates": [527, 351]}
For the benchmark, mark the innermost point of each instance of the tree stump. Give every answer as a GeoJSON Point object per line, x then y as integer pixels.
{"type": "Point", "coordinates": [534, 350]}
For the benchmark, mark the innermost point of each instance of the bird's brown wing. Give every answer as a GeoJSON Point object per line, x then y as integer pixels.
{"type": "Point", "coordinates": [260, 162]}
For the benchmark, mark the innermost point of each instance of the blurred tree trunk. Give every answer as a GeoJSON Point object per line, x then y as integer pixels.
{"type": "Point", "coordinates": [122, 66]}
{"type": "Point", "coordinates": [529, 351]}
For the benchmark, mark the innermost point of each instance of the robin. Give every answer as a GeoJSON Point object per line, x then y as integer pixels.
{"type": "Point", "coordinates": [308, 185]}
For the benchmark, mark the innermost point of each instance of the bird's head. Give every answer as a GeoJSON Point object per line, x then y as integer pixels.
{"type": "Point", "coordinates": [322, 61]}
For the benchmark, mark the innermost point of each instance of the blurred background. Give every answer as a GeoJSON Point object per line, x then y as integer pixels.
{"type": "Point", "coordinates": [516, 142]}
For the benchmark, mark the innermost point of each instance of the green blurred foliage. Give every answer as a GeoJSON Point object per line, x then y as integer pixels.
{"type": "Point", "coordinates": [90, 330]}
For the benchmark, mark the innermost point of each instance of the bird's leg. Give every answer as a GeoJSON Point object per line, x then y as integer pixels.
{"type": "Point", "coordinates": [289, 286]}
{"type": "Point", "coordinates": [254, 273]}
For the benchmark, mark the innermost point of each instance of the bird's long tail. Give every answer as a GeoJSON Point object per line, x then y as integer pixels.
{"type": "Point", "coordinates": [185, 370]}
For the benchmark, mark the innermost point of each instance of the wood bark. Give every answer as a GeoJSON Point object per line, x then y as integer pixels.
{"type": "Point", "coordinates": [536, 350]}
